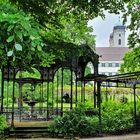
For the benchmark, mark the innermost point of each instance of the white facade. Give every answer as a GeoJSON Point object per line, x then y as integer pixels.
{"type": "Point", "coordinates": [109, 67]}
{"type": "Point", "coordinates": [111, 57]}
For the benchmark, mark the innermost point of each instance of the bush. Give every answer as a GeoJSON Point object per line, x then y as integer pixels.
{"type": "Point", "coordinates": [3, 124]}
{"type": "Point", "coordinates": [116, 117]}
{"type": "Point", "coordinates": [74, 123]}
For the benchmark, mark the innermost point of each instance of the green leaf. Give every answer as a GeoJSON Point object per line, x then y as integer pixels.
{"type": "Point", "coordinates": [39, 48]}
{"type": "Point", "coordinates": [18, 47]}
{"type": "Point", "coordinates": [10, 39]}
{"type": "Point", "coordinates": [10, 53]}
{"type": "Point", "coordinates": [14, 58]}
{"type": "Point", "coordinates": [32, 48]}
{"type": "Point", "coordinates": [10, 28]}
{"type": "Point", "coordinates": [19, 34]}
{"type": "Point", "coordinates": [32, 37]}
{"type": "Point", "coordinates": [25, 25]}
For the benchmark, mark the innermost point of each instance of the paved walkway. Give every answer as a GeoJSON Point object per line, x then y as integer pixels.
{"type": "Point", "coordinates": [123, 137]}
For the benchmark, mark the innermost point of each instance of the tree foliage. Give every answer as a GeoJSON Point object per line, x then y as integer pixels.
{"type": "Point", "coordinates": [132, 11]}
{"type": "Point", "coordinates": [60, 23]}
{"type": "Point", "coordinates": [50, 11]}
{"type": "Point", "coordinates": [131, 61]}
{"type": "Point", "coordinates": [27, 26]}
{"type": "Point", "coordinates": [67, 19]}
{"type": "Point", "coordinates": [132, 58]}
{"type": "Point", "coordinates": [20, 38]}
{"type": "Point", "coordinates": [24, 39]}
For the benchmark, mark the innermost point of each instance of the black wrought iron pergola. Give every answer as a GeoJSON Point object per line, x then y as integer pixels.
{"type": "Point", "coordinates": [76, 63]}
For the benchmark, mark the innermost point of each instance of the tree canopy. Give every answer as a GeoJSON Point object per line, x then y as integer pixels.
{"type": "Point", "coordinates": [52, 11]}
{"type": "Point", "coordinates": [27, 26]}
{"type": "Point", "coordinates": [67, 19]}
{"type": "Point", "coordinates": [132, 58]}
{"type": "Point", "coordinates": [20, 38]}
{"type": "Point", "coordinates": [24, 38]}
{"type": "Point", "coordinates": [131, 61]}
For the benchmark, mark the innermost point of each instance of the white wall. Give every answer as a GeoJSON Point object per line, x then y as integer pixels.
{"type": "Point", "coordinates": [107, 69]}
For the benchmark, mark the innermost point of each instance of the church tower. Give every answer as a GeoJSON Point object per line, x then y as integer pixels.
{"type": "Point", "coordinates": [117, 37]}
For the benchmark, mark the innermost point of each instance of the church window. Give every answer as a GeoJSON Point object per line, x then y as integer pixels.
{"type": "Point", "coordinates": [103, 64]}
{"type": "Point", "coordinates": [110, 64]}
{"type": "Point", "coordinates": [119, 35]}
{"type": "Point", "coordinates": [119, 42]}
{"type": "Point", "coordinates": [117, 65]}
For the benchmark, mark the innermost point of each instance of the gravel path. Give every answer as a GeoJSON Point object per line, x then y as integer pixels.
{"type": "Point", "coordinates": [123, 137]}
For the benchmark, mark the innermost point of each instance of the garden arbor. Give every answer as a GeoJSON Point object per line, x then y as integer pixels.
{"type": "Point", "coordinates": [50, 99]}
{"type": "Point", "coordinates": [51, 102]}
{"type": "Point", "coordinates": [126, 80]}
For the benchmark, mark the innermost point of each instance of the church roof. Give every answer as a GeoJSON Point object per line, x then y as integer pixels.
{"type": "Point", "coordinates": [119, 27]}
{"type": "Point", "coordinates": [111, 53]}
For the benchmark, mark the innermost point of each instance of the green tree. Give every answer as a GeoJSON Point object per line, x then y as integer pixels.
{"type": "Point", "coordinates": [50, 11]}
{"type": "Point", "coordinates": [132, 58]}
{"type": "Point", "coordinates": [20, 38]}
{"type": "Point", "coordinates": [73, 31]}
{"type": "Point", "coordinates": [24, 39]}
{"type": "Point", "coordinates": [131, 61]}
{"type": "Point", "coordinates": [53, 20]}
{"type": "Point", "coordinates": [132, 12]}
{"type": "Point", "coordinates": [67, 20]}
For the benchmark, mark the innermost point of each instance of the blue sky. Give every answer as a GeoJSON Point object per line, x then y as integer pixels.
{"type": "Point", "coordinates": [103, 28]}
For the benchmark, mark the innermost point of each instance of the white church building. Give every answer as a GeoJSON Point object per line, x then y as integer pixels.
{"type": "Point", "coordinates": [111, 57]}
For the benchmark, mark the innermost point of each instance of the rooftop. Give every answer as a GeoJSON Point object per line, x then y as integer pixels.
{"type": "Point", "coordinates": [111, 53]}
{"type": "Point", "coordinates": [119, 27]}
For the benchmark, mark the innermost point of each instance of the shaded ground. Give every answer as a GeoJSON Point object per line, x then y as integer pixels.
{"type": "Point", "coordinates": [44, 124]}
{"type": "Point", "coordinates": [31, 124]}
{"type": "Point", "coordinates": [123, 137]}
